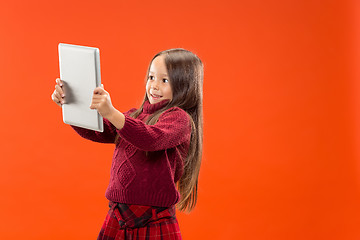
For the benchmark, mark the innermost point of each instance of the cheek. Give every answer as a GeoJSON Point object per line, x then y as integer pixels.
{"type": "Point", "coordinates": [169, 92]}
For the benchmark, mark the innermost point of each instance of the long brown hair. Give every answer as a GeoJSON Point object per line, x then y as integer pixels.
{"type": "Point", "coordinates": [186, 75]}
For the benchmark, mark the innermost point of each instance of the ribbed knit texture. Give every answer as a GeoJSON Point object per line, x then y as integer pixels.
{"type": "Point", "coordinates": [148, 159]}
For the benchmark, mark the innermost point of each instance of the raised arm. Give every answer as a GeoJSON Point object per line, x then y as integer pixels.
{"type": "Point", "coordinates": [107, 136]}
{"type": "Point", "coordinates": [172, 129]}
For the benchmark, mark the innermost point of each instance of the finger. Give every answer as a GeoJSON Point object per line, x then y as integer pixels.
{"type": "Point", "coordinates": [97, 96]}
{"type": "Point", "coordinates": [99, 90]}
{"type": "Point", "coordinates": [59, 90]}
{"type": "Point", "coordinates": [59, 82]}
{"type": "Point", "coordinates": [55, 98]}
{"type": "Point", "coordinates": [96, 100]}
{"type": "Point", "coordinates": [94, 105]}
{"type": "Point", "coordinates": [58, 97]}
{"type": "Point", "coordinates": [102, 85]}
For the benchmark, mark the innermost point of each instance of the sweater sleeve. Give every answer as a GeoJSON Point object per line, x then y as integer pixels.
{"type": "Point", "coordinates": [172, 129]}
{"type": "Point", "coordinates": [107, 136]}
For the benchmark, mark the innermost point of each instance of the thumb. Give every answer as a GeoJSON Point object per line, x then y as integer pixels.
{"type": "Point", "coordinates": [99, 90]}
{"type": "Point", "coordinates": [102, 85]}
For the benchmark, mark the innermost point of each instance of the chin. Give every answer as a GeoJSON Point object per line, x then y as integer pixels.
{"type": "Point", "coordinates": [152, 101]}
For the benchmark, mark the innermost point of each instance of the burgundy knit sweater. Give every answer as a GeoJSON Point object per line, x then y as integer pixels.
{"type": "Point", "coordinates": [142, 178]}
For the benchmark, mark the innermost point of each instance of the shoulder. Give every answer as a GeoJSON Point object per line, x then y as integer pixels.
{"type": "Point", "coordinates": [175, 113]}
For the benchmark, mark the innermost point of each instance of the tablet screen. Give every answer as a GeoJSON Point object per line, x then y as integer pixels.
{"type": "Point", "coordinates": [80, 73]}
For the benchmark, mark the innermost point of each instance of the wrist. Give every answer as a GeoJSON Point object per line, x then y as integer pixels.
{"type": "Point", "coordinates": [117, 118]}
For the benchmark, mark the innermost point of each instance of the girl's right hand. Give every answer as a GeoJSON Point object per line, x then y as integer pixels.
{"type": "Point", "coordinates": [58, 95]}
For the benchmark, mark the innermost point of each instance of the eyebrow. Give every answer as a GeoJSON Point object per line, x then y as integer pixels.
{"type": "Point", "coordinates": [163, 74]}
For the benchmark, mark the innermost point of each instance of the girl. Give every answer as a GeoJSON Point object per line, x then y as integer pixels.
{"type": "Point", "coordinates": [158, 149]}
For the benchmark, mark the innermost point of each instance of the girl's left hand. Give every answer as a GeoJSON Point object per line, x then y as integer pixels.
{"type": "Point", "coordinates": [101, 102]}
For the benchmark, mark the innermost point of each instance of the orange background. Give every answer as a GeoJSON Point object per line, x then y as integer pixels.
{"type": "Point", "coordinates": [281, 110]}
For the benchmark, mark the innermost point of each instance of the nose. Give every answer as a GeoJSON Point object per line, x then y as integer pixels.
{"type": "Point", "coordinates": [155, 85]}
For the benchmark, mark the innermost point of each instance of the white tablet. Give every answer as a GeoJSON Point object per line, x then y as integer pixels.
{"type": "Point", "coordinates": [80, 73]}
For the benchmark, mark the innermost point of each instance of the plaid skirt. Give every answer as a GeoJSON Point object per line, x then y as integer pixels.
{"type": "Point", "coordinates": [136, 222]}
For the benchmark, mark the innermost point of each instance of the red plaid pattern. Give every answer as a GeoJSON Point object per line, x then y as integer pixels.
{"type": "Point", "coordinates": [136, 222]}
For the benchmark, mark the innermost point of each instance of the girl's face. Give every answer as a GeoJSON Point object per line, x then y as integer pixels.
{"type": "Point", "coordinates": [158, 84]}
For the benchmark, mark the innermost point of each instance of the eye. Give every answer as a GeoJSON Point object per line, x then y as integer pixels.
{"type": "Point", "coordinates": [165, 80]}
{"type": "Point", "coordinates": [151, 77]}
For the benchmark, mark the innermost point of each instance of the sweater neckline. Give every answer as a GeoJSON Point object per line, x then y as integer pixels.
{"type": "Point", "coordinates": [151, 108]}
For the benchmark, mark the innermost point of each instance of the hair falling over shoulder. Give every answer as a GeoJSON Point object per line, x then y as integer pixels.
{"type": "Point", "coordinates": [186, 73]}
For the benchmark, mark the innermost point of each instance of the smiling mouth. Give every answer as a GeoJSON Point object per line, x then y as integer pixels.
{"type": "Point", "coordinates": [155, 96]}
